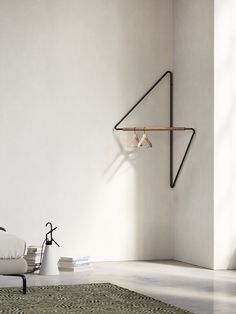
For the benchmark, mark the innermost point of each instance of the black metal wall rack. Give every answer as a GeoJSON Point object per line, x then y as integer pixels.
{"type": "Point", "coordinates": [171, 128]}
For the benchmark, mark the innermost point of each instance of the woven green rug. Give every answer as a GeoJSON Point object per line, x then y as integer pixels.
{"type": "Point", "coordinates": [97, 298]}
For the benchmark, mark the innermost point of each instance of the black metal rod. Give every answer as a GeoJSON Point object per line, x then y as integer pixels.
{"type": "Point", "coordinates": [139, 101]}
{"type": "Point", "coordinates": [24, 284]}
{"type": "Point", "coordinates": [24, 290]}
{"type": "Point", "coordinates": [184, 157]}
{"type": "Point", "coordinates": [171, 125]}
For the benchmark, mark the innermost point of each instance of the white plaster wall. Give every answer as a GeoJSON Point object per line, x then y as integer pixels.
{"type": "Point", "coordinates": [69, 70]}
{"type": "Point", "coordinates": [225, 135]}
{"type": "Point", "coordinates": [192, 203]}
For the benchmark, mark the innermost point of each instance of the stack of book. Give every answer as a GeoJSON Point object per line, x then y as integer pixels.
{"type": "Point", "coordinates": [74, 263]}
{"type": "Point", "coordinates": [33, 257]}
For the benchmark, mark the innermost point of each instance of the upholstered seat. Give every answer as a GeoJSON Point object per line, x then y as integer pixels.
{"type": "Point", "coordinates": [12, 262]}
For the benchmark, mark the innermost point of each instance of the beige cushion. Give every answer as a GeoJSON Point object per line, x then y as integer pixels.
{"type": "Point", "coordinates": [13, 266]}
{"type": "Point", "coordinates": [11, 246]}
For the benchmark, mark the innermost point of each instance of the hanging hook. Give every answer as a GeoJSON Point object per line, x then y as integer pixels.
{"type": "Point", "coordinates": [133, 142]}
{"type": "Point", "coordinates": [144, 142]}
{"type": "Point", "coordinates": [49, 241]}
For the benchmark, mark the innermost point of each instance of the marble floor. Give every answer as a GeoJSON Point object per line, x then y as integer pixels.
{"type": "Point", "coordinates": [193, 288]}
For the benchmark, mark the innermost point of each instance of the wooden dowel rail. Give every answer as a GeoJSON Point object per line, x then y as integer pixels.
{"type": "Point", "coordinates": [153, 129]}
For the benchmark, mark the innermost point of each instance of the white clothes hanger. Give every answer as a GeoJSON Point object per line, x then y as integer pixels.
{"type": "Point", "coordinates": [145, 142]}
{"type": "Point", "coordinates": [134, 141]}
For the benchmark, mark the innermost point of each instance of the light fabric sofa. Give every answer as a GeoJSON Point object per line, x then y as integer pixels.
{"type": "Point", "coordinates": [12, 262]}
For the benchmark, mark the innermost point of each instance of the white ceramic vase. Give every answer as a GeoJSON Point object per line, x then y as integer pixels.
{"type": "Point", "coordinates": [49, 264]}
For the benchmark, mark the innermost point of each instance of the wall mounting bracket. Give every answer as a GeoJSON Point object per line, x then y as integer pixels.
{"type": "Point", "coordinates": [171, 128]}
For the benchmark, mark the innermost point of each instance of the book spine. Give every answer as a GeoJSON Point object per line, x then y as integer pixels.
{"type": "Point", "coordinates": [80, 269]}
{"type": "Point", "coordinates": [74, 259]}
{"type": "Point", "coordinates": [34, 252]}
{"type": "Point", "coordinates": [74, 263]}
{"type": "Point", "coordinates": [66, 265]}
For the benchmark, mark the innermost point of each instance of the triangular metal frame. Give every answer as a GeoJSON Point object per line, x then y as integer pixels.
{"type": "Point", "coordinates": [173, 180]}
{"type": "Point", "coordinates": [171, 128]}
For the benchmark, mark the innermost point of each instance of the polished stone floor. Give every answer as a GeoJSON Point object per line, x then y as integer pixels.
{"type": "Point", "coordinates": [193, 288]}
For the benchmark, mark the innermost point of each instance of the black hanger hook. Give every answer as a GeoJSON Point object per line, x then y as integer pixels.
{"type": "Point", "coordinates": [49, 241]}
